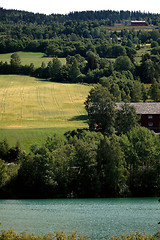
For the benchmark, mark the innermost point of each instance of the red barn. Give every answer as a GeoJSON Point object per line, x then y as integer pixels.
{"type": "Point", "coordinates": [138, 23]}
{"type": "Point", "coordinates": [149, 112]}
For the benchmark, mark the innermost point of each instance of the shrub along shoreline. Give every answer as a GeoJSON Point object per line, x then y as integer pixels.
{"type": "Point", "coordinates": [12, 235]}
{"type": "Point", "coordinates": [113, 166]}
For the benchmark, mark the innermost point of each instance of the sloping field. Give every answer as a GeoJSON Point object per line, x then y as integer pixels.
{"type": "Point", "coordinates": [27, 102]}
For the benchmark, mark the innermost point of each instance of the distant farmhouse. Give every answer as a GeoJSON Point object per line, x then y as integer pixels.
{"type": "Point", "coordinates": [138, 23]}
{"type": "Point", "coordinates": [149, 112]}
{"type": "Point", "coordinates": [131, 23]}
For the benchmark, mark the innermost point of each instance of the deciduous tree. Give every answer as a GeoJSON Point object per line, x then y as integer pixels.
{"type": "Point", "coordinates": [101, 110]}
{"type": "Point", "coordinates": [123, 63]}
{"type": "Point", "coordinates": [111, 167]}
{"type": "Point", "coordinates": [126, 118]}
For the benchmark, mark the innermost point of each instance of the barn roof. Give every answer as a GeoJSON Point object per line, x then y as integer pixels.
{"type": "Point", "coordinates": [138, 21]}
{"type": "Point", "coordinates": [144, 107]}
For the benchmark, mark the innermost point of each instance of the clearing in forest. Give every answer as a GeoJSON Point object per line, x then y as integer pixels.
{"type": "Point", "coordinates": [30, 57]}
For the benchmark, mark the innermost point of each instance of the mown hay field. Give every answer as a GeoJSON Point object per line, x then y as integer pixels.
{"type": "Point", "coordinates": [30, 57]}
{"type": "Point", "coordinates": [29, 104]}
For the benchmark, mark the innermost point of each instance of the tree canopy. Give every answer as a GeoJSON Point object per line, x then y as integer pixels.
{"type": "Point", "coordinates": [101, 111]}
{"type": "Point", "coordinates": [104, 116]}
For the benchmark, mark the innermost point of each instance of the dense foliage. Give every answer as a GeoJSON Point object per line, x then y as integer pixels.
{"type": "Point", "coordinates": [95, 50]}
{"type": "Point", "coordinates": [116, 158]}
{"type": "Point", "coordinates": [12, 235]}
{"type": "Point", "coordinates": [112, 166]}
{"type": "Point", "coordinates": [89, 24]}
{"type": "Point", "coordinates": [137, 236]}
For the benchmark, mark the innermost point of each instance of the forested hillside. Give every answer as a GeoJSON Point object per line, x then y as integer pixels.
{"type": "Point", "coordinates": [18, 29]}
{"type": "Point", "coordinates": [123, 64]}
{"type": "Point", "coordinates": [123, 58]}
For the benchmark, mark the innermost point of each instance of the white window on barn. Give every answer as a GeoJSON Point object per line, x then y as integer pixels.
{"type": "Point", "coordinates": [150, 124]}
{"type": "Point", "coordinates": [150, 116]}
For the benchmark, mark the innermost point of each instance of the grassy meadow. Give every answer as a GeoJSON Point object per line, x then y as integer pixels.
{"type": "Point", "coordinates": [145, 48]}
{"type": "Point", "coordinates": [110, 29]}
{"type": "Point", "coordinates": [30, 57]}
{"type": "Point", "coordinates": [28, 137]}
{"type": "Point", "coordinates": [32, 109]}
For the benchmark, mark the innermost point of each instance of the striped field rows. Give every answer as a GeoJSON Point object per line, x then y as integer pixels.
{"type": "Point", "coordinates": [27, 102]}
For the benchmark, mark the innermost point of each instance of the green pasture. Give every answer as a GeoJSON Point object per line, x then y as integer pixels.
{"type": "Point", "coordinates": [128, 28]}
{"type": "Point", "coordinates": [36, 108]}
{"type": "Point", "coordinates": [145, 48]}
{"type": "Point", "coordinates": [28, 137]}
{"type": "Point", "coordinates": [30, 57]}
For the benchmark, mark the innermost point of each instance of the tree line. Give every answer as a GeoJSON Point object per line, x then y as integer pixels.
{"type": "Point", "coordinates": [66, 43]}
{"type": "Point", "coordinates": [11, 234]}
{"type": "Point", "coordinates": [125, 80]}
{"type": "Point", "coordinates": [84, 39]}
{"type": "Point", "coordinates": [115, 159]}
{"type": "Point", "coordinates": [103, 17]}
{"type": "Point", "coordinates": [86, 164]}
{"type": "Point", "coordinates": [20, 30]}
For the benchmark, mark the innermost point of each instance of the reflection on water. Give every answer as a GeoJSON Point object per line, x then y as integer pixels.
{"type": "Point", "coordinates": [96, 218]}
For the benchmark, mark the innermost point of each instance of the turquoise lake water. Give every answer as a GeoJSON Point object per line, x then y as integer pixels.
{"type": "Point", "coordinates": [96, 218]}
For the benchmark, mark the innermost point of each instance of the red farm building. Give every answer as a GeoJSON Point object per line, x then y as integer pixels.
{"type": "Point", "coordinates": [138, 23]}
{"type": "Point", "coordinates": [149, 112]}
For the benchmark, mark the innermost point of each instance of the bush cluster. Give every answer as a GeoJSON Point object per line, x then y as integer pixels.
{"type": "Point", "coordinates": [12, 235]}
{"type": "Point", "coordinates": [112, 166]}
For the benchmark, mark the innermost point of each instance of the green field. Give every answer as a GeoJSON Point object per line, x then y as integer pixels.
{"type": "Point", "coordinates": [29, 57]}
{"type": "Point", "coordinates": [145, 48]}
{"type": "Point", "coordinates": [28, 137]}
{"type": "Point", "coordinates": [128, 28]}
{"type": "Point", "coordinates": [32, 109]}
